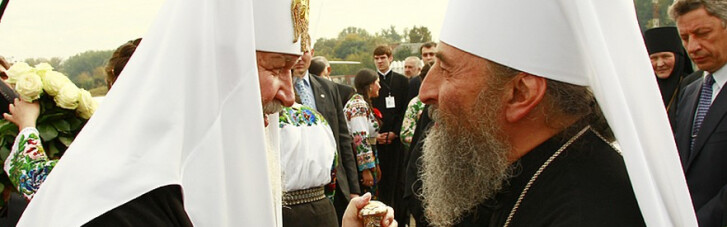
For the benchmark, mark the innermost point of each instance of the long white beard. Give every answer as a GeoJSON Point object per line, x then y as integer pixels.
{"type": "Point", "coordinates": [272, 151]}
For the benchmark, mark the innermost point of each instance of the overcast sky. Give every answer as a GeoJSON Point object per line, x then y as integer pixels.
{"type": "Point", "coordinates": [63, 28]}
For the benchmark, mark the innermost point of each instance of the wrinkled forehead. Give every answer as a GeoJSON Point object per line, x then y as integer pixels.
{"type": "Point", "coordinates": [276, 59]}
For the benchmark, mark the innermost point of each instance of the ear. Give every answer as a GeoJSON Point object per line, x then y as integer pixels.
{"type": "Point", "coordinates": [312, 52]}
{"type": "Point", "coordinates": [391, 58]}
{"type": "Point", "coordinates": [524, 93]}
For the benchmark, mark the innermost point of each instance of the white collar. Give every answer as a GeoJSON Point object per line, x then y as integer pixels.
{"type": "Point", "coordinates": [306, 78]}
{"type": "Point", "coordinates": [720, 76]}
{"type": "Point", "coordinates": [387, 72]}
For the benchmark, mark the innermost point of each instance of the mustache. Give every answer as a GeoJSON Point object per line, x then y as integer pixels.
{"type": "Point", "coordinates": [273, 106]}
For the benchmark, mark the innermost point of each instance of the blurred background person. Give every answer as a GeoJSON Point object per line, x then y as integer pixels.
{"type": "Point", "coordinates": [412, 66]}
{"type": "Point", "coordinates": [320, 66]}
{"type": "Point", "coordinates": [364, 123]}
{"type": "Point", "coordinates": [391, 102]}
{"type": "Point", "coordinates": [671, 64]}
{"type": "Point", "coordinates": [411, 116]}
{"type": "Point", "coordinates": [427, 50]}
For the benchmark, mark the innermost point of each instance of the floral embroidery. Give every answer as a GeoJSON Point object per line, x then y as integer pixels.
{"type": "Point", "coordinates": [299, 115]}
{"type": "Point", "coordinates": [364, 127]}
{"type": "Point", "coordinates": [409, 124]}
{"type": "Point", "coordinates": [28, 166]}
{"type": "Point", "coordinates": [364, 151]}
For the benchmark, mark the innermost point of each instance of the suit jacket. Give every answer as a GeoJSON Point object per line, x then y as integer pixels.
{"type": "Point", "coordinates": [414, 84]}
{"type": "Point", "coordinates": [346, 92]}
{"type": "Point", "coordinates": [397, 86]}
{"type": "Point", "coordinates": [705, 167]}
{"type": "Point", "coordinates": [328, 103]}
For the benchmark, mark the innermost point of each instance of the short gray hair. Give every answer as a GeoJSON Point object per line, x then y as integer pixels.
{"type": "Point", "coordinates": [563, 99]}
{"type": "Point", "coordinates": [717, 8]}
{"type": "Point", "coordinates": [418, 61]}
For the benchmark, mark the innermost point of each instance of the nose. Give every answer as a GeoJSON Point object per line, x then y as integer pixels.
{"type": "Point", "coordinates": [693, 46]}
{"type": "Point", "coordinates": [285, 93]}
{"type": "Point", "coordinates": [429, 91]}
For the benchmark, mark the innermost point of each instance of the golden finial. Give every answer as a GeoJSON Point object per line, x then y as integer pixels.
{"type": "Point", "coordinates": [300, 10]}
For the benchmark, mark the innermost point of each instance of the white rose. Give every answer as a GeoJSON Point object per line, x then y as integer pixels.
{"type": "Point", "coordinates": [53, 82]}
{"type": "Point", "coordinates": [42, 68]}
{"type": "Point", "coordinates": [67, 97]}
{"type": "Point", "coordinates": [86, 104]}
{"type": "Point", "coordinates": [16, 70]}
{"type": "Point", "coordinates": [29, 86]}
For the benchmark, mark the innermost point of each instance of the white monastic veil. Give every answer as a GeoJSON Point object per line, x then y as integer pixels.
{"type": "Point", "coordinates": [593, 43]}
{"type": "Point", "coordinates": [186, 110]}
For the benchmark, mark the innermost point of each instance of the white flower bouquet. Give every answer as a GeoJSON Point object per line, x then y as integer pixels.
{"type": "Point", "coordinates": [64, 108]}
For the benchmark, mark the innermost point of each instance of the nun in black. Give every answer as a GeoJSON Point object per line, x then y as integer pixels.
{"type": "Point", "coordinates": [670, 62]}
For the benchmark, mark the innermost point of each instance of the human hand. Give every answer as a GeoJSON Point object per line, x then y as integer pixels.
{"type": "Point", "coordinates": [23, 114]}
{"type": "Point", "coordinates": [381, 138]}
{"type": "Point", "coordinates": [378, 174]}
{"type": "Point", "coordinates": [352, 219]}
{"type": "Point", "coordinates": [367, 179]}
{"type": "Point", "coordinates": [391, 136]}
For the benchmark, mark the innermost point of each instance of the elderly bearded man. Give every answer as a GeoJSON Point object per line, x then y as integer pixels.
{"type": "Point", "coordinates": [515, 145]}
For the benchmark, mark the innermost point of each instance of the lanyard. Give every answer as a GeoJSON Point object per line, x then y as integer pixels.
{"type": "Point", "coordinates": [388, 86]}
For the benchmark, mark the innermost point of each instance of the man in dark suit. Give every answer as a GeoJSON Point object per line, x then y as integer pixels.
{"type": "Point", "coordinates": [391, 102]}
{"type": "Point", "coordinates": [320, 66]}
{"type": "Point", "coordinates": [701, 128]}
{"type": "Point", "coordinates": [325, 98]}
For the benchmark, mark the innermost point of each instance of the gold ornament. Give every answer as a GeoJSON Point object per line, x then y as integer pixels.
{"type": "Point", "coordinates": [300, 10]}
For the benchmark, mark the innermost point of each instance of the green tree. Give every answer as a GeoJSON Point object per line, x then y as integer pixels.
{"type": "Point", "coordinates": [390, 34]}
{"type": "Point", "coordinates": [350, 44]}
{"type": "Point", "coordinates": [54, 61]}
{"type": "Point", "coordinates": [87, 62]}
{"type": "Point", "coordinates": [353, 30]}
{"type": "Point", "coordinates": [645, 13]}
{"type": "Point", "coordinates": [402, 53]}
{"type": "Point", "coordinates": [419, 35]}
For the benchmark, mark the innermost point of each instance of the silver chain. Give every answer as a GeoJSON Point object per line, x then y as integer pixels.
{"type": "Point", "coordinates": [540, 170]}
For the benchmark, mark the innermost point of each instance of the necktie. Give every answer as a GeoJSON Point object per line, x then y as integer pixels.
{"type": "Point", "coordinates": [705, 100]}
{"type": "Point", "coordinates": [304, 93]}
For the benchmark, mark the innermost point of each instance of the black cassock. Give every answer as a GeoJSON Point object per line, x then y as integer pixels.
{"type": "Point", "coordinates": [586, 185]}
{"type": "Point", "coordinates": [162, 206]}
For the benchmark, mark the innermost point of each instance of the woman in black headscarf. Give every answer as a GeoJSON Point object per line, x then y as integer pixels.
{"type": "Point", "coordinates": [670, 62]}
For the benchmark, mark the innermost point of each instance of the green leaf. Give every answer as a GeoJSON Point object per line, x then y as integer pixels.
{"type": "Point", "coordinates": [62, 126]}
{"type": "Point", "coordinates": [65, 140]}
{"type": "Point", "coordinates": [44, 117]}
{"type": "Point", "coordinates": [52, 150]}
{"type": "Point", "coordinates": [7, 127]}
{"type": "Point", "coordinates": [47, 132]}
{"type": "Point", "coordinates": [4, 153]}
{"type": "Point", "coordinates": [75, 123]}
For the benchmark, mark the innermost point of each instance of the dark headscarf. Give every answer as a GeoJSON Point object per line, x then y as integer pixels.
{"type": "Point", "coordinates": [666, 39]}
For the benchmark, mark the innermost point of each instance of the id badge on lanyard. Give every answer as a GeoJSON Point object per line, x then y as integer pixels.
{"type": "Point", "coordinates": [390, 103]}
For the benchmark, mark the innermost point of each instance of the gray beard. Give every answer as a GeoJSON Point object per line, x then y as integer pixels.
{"type": "Point", "coordinates": [464, 161]}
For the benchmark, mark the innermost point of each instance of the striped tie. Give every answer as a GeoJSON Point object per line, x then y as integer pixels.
{"type": "Point", "coordinates": [705, 100]}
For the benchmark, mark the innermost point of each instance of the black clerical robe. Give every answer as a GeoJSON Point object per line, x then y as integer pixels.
{"type": "Point", "coordinates": [586, 185]}
{"type": "Point", "coordinates": [162, 206]}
